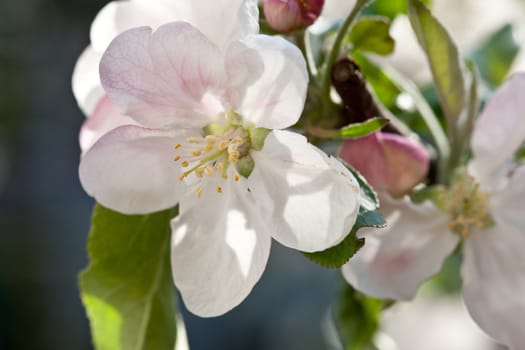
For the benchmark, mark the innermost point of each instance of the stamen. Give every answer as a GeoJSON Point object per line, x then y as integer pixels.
{"type": "Point", "coordinates": [178, 145]}
{"type": "Point", "coordinates": [209, 170]}
{"type": "Point", "coordinates": [176, 158]}
{"type": "Point", "coordinates": [194, 140]}
{"type": "Point", "coordinates": [184, 164]}
{"type": "Point", "coordinates": [196, 152]}
{"type": "Point", "coordinates": [236, 178]}
{"type": "Point", "coordinates": [198, 191]}
{"type": "Point", "coordinates": [218, 189]}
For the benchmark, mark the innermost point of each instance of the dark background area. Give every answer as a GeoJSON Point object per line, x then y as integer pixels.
{"type": "Point", "coordinates": [45, 215]}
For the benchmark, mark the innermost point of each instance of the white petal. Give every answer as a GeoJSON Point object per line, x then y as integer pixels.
{"type": "Point", "coordinates": [500, 129]}
{"type": "Point", "coordinates": [308, 201]}
{"type": "Point", "coordinates": [171, 77]}
{"type": "Point", "coordinates": [119, 16]}
{"type": "Point", "coordinates": [131, 170]}
{"type": "Point", "coordinates": [494, 282]}
{"type": "Point", "coordinates": [333, 11]}
{"type": "Point", "coordinates": [268, 80]}
{"type": "Point", "coordinates": [395, 260]}
{"type": "Point", "coordinates": [507, 205]}
{"type": "Point", "coordinates": [222, 21]}
{"type": "Point", "coordinates": [86, 83]}
{"type": "Point", "coordinates": [219, 249]}
{"type": "Point", "coordinates": [106, 116]}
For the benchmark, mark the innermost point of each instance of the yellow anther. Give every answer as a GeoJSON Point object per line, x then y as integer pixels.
{"type": "Point", "coordinates": [198, 192]}
{"type": "Point", "coordinates": [234, 157]}
{"type": "Point", "coordinates": [220, 167]}
{"type": "Point", "coordinates": [232, 148]}
{"type": "Point", "coordinates": [196, 152]}
{"type": "Point", "coordinates": [199, 172]}
{"type": "Point", "coordinates": [223, 144]}
{"type": "Point", "coordinates": [184, 163]}
{"type": "Point", "coordinates": [194, 139]}
{"type": "Point", "coordinates": [181, 177]}
{"type": "Point", "coordinates": [178, 145]}
{"type": "Point", "coordinates": [238, 140]}
{"type": "Point", "coordinates": [176, 158]}
{"type": "Point", "coordinates": [210, 139]}
{"type": "Point", "coordinates": [208, 170]}
{"type": "Point", "coordinates": [236, 178]}
{"type": "Point", "coordinates": [218, 189]}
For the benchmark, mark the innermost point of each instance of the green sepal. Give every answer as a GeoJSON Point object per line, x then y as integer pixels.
{"type": "Point", "coordinates": [371, 34]}
{"type": "Point", "coordinates": [127, 288]}
{"type": "Point", "coordinates": [258, 136]}
{"type": "Point", "coordinates": [245, 165]}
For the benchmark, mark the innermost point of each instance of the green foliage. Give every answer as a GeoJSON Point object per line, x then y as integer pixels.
{"type": "Point", "coordinates": [368, 216]}
{"type": "Point", "coordinates": [496, 55]}
{"type": "Point", "coordinates": [127, 289]}
{"type": "Point", "coordinates": [372, 34]}
{"type": "Point", "coordinates": [443, 57]}
{"type": "Point", "coordinates": [388, 8]}
{"type": "Point", "coordinates": [357, 319]}
{"type": "Point", "coordinates": [362, 129]}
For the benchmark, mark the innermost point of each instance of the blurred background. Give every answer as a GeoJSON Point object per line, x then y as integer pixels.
{"type": "Point", "coordinates": [45, 215]}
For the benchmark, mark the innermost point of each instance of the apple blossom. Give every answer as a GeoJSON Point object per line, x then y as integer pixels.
{"type": "Point", "coordinates": [208, 139]}
{"type": "Point", "coordinates": [118, 16]}
{"type": "Point", "coordinates": [390, 162]}
{"type": "Point", "coordinates": [482, 207]}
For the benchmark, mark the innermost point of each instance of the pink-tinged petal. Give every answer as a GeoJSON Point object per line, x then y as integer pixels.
{"type": "Point", "coordinates": [106, 116]}
{"type": "Point", "coordinates": [171, 77]}
{"type": "Point", "coordinates": [308, 201]}
{"type": "Point", "coordinates": [507, 204]}
{"type": "Point", "coordinates": [267, 81]}
{"type": "Point", "coordinates": [391, 163]}
{"type": "Point", "coordinates": [395, 260]}
{"type": "Point", "coordinates": [119, 16]}
{"type": "Point", "coordinates": [500, 129]}
{"type": "Point", "coordinates": [239, 18]}
{"type": "Point", "coordinates": [131, 170]}
{"type": "Point", "coordinates": [86, 83]}
{"type": "Point", "coordinates": [220, 247]}
{"type": "Point", "coordinates": [493, 274]}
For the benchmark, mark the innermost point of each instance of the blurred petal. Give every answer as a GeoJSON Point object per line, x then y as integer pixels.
{"type": "Point", "coordinates": [86, 83]}
{"type": "Point", "coordinates": [241, 18]}
{"type": "Point", "coordinates": [267, 80]}
{"type": "Point", "coordinates": [131, 170]}
{"type": "Point", "coordinates": [220, 247]}
{"type": "Point", "coordinates": [500, 129]}
{"type": "Point", "coordinates": [333, 11]}
{"type": "Point", "coordinates": [107, 116]}
{"type": "Point", "coordinates": [493, 274]}
{"type": "Point", "coordinates": [158, 83]}
{"type": "Point", "coordinates": [395, 260]}
{"type": "Point", "coordinates": [119, 16]}
{"type": "Point", "coordinates": [507, 205]}
{"type": "Point", "coordinates": [309, 202]}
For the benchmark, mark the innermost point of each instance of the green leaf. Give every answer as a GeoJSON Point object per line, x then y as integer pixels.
{"type": "Point", "coordinates": [388, 8]}
{"type": "Point", "coordinates": [127, 289]}
{"type": "Point", "coordinates": [443, 57]}
{"type": "Point", "coordinates": [496, 55]}
{"type": "Point", "coordinates": [362, 129]}
{"type": "Point", "coordinates": [338, 255]}
{"type": "Point", "coordinates": [372, 34]}
{"type": "Point", "coordinates": [357, 319]}
{"type": "Point", "coordinates": [369, 199]}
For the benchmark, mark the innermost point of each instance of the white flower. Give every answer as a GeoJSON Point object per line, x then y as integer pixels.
{"type": "Point", "coordinates": [484, 208]}
{"type": "Point", "coordinates": [201, 109]}
{"type": "Point", "coordinates": [240, 17]}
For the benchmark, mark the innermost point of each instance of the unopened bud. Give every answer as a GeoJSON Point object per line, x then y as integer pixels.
{"type": "Point", "coordinates": [390, 162]}
{"type": "Point", "coordinates": [288, 15]}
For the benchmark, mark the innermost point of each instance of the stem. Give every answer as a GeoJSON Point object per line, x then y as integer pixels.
{"type": "Point", "coordinates": [325, 85]}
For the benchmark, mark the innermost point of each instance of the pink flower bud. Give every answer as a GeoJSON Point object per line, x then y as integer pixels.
{"type": "Point", "coordinates": [287, 15]}
{"type": "Point", "coordinates": [390, 162]}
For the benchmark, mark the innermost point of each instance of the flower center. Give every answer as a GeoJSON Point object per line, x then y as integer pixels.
{"type": "Point", "coordinates": [210, 157]}
{"type": "Point", "coordinates": [466, 204]}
